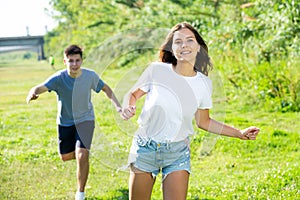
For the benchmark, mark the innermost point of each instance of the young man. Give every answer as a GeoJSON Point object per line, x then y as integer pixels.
{"type": "Point", "coordinates": [75, 116]}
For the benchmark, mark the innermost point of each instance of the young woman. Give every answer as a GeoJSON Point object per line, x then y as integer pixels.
{"type": "Point", "coordinates": [177, 91]}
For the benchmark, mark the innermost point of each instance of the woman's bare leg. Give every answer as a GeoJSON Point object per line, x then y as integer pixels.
{"type": "Point", "coordinates": [140, 184]}
{"type": "Point", "coordinates": [175, 185]}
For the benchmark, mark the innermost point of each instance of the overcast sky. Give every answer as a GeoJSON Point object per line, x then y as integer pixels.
{"type": "Point", "coordinates": [16, 15]}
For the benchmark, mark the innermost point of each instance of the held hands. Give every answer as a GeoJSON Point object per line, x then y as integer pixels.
{"type": "Point", "coordinates": [250, 133]}
{"type": "Point", "coordinates": [128, 112]}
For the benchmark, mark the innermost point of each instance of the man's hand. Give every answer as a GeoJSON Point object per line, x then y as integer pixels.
{"type": "Point", "coordinates": [31, 96]}
{"type": "Point", "coordinates": [128, 112]}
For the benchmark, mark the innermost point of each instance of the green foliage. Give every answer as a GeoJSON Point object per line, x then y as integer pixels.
{"type": "Point", "coordinates": [255, 45]}
{"type": "Point", "coordinates": [259, 25]}
{"type": "Point", "coordinates": [275, 28]}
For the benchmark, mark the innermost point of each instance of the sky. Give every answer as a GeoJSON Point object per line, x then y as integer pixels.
{"type": "Point", "coordinates": [16, 15]}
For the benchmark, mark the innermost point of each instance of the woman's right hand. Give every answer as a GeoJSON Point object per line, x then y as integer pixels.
{"type": "Point", "coordinates": [128, 112]}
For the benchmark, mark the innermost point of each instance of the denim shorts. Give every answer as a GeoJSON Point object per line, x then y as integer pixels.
{"type": "Point", "coordinates": [151, 156]}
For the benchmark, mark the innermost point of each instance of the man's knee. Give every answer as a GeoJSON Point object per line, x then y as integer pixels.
{"type": "Point", "coordinates": [67, 156]}
{"type": "Point", "coordinates": [82, 154]}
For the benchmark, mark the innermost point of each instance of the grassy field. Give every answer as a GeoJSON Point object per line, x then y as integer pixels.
{"type": "Point", "coordinates": [222, 168]}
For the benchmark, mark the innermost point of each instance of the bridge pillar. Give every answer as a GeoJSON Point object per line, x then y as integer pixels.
{"type": "Point", "coordinates": [40, 52]}
{"type": "Point", "coordinates": [40, 49]}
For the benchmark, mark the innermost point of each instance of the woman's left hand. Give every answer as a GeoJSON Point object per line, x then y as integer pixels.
{"type": "Point", "coordinates": [250, 133]}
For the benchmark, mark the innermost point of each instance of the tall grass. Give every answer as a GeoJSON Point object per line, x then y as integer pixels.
{"type": "Point", "coordinates": [271, 86]}
{"type": "Point", "coordinates": [222, 168]}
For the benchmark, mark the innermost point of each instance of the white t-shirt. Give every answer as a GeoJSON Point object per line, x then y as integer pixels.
{"type": "Point", "coordinates": [171, 102]}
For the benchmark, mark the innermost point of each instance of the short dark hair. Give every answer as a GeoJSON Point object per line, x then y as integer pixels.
{"type": "Point", "coordinates": [202, 64]}
{"type": "Point", "coordinates": [73, 49]}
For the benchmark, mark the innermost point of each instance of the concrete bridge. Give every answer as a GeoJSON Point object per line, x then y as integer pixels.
{"type": "Point", "coordinates": [32, 43]}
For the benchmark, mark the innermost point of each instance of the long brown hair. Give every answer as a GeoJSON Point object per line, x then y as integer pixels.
{"type": "Point", "coordinates": [202, 63]}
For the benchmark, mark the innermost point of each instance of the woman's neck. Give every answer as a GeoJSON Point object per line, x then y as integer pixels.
{"type": "Point", "coordinates": [184, 69]}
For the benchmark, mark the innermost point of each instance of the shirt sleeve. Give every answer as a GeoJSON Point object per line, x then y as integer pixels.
{"type": "Point", "coordinates": [206, 100]}
{"type": "Point", "coordinates": [145, 80]}
{"type": "Point", "coordinates": [98, 83]}
{"type": "Point", "coordinates": [52, 82]}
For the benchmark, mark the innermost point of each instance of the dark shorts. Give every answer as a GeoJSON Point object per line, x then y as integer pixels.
{"type": "Point", "coordinates": [79, 135]}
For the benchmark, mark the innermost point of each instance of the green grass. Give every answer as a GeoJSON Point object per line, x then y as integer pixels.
{"type": "Point", "coordinates": [222, 168]}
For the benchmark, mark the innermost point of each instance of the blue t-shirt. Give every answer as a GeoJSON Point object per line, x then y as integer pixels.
{"type": "Point", "coordinates": [74, 95]}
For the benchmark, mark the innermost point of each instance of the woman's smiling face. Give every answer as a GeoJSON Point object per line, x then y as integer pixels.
{"type": "Point", "coordinates": [185, 46]}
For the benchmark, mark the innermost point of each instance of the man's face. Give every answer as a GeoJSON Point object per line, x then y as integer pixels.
{"type": "Point", "coordinates": [73, 64]}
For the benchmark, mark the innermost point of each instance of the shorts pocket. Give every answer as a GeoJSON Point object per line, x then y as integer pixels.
{"type": "Point", "coordinates": [180, 146]}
